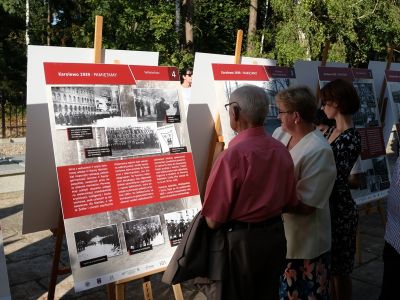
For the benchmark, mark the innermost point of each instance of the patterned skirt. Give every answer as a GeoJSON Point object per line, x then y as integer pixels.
{"type": "Point", "coordinates": [306, 279]}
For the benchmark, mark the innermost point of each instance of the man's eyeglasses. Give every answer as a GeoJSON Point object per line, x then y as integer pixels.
{"type": "Point", "coordinates": [227, 105]}
{"type": "Point", "coordinates": [189, 74]}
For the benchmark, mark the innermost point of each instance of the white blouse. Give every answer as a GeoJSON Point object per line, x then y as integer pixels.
{"type": "Point", "coordinates": [309, 236]}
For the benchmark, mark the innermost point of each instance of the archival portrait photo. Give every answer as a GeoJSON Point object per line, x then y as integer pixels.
{"type": "Point", "coordinates": [133, 139]}
{"type": "Point", "coordinates": [177, 223]}
{"type": "Point", "coordinates": [156, 104]}
{"type": "Point", "coordinates": [168, 137]}
{"type": "Point", "coordinates": [97, 245]}
{"type": "Point", "coordinates": [84, 106]}
{"type": "Point", "coordinates": [143, 234]}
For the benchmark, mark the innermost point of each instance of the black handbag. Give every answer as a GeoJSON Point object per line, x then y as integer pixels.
{"type": "Point", "coordinates": [190, 259]}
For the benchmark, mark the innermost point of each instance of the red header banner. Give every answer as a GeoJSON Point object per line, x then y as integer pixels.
{"type": "Point", "coordinates": [155, 73]}
{"type": "Point", "coordinates": [331, 73]}
{"type": "Point", "coordinates": [392, 76]}
{"type": "Point", "coordinates": [72, 73]}
{"type": "Point", "coordinates": [280, 72]}
{"type": "Point", "coordinates": [228, 72]}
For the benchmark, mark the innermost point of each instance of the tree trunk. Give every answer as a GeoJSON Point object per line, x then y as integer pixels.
{"type": "Point", "coordinates": [177, 19]}
{"type": "Point", "coordinates": [27, 22]}
{"type": "Point", "coordinates": [48, 22]}
{"type": "Point", "coordinates": [252, 26]}
{"type": "Point", "coordinates": [264, 26]}
{"type": "Point", "coordinates": [188, 13]}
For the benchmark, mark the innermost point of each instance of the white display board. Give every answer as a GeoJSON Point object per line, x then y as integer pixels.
{"type": "Point", "coordinates": [124, 167]}
{"type": "Point", "coordinates": [229, 77]}
{"type": "Point", "coordinates": [203, 105]}
{"type": "Point", "coordinates": [307, 72]}
{"type": "Point", "coordinates": [375, 177]}
{"type": "Point", "coordinates": [378, 72]}
{"type": "Point", "coordinates": [41, 199]}
{"type": "Point", "coordinates": [393, 86]}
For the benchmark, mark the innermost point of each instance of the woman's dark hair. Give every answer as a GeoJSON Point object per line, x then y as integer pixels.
{"type": "Point", "coordinates": [184, 72]}
{"type": "Point", "coordinates": [343, 93]}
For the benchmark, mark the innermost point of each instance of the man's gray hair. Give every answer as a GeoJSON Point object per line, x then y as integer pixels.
{"type": "Point", "coordinates": [253, 103]}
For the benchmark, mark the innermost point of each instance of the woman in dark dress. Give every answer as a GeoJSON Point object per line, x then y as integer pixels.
{"type": "Point", "coordinates": [340, 101]}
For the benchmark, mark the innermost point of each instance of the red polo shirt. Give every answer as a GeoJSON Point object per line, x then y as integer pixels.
{"type": "Point", "coordinates": [250, 181]}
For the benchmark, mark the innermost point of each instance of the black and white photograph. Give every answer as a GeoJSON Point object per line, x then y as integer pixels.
{"type": "Point", "coordinates": [394, 88]}
{"type": "Point", "coordinates": [84, 106]}
{"type": "Point", "coordinates": [97, 242]}
{"type": "Point", "coordinates": [367, 115]}
{"type": "Point", "coordinates": [271, 87]}
{"type": "Point", "coordinates": [143, 234]}
{"type": "Point", "coordinates": [133, 140]}
{"type": "Point", "coordinates": [177, 223]}
{"type": "Point", "coordinates": [156, 104]}
{"type": "Point", "coordinates": [126, 101]}
{"type": "Point", "coordinates": [376, 176]}
{"type": "Point", "coordinates": [168, 137]}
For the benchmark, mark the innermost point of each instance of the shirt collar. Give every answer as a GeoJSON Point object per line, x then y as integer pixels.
{"type": "Point", "coordinates": [247, 133]}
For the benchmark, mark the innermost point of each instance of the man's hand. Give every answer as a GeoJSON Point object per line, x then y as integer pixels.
{"type": "Point", "coordinates": [212, 224]}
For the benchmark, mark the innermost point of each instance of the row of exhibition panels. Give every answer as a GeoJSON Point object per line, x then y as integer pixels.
{"type": "Point", "coordinates": [42, 197]}
{"type": "Point", "coordinates": [41, 200]}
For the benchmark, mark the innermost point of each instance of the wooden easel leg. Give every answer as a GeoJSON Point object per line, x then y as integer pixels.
{"type": "Point", "coordinates": [177, 291]}
{"type": "Point", "coordinates": [148, 294]}
{"type": "Point", "coordinates": [56, 258]}
{"type": "Point", "coordinates": [358, 246]}
{"type": "Point", "coordinates": [120, 291]}
{"type": "Point", "coordinates": [111, 291]}
{"type": "Point", "coordinates": [381, 212]}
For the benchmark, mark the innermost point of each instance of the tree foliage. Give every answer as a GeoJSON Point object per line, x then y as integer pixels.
{"type": "Point", "coordinates": [358, 31]}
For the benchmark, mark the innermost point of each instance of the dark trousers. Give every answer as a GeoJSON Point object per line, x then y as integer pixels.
{"type": "Point", "coordinates": [391, 267]}
{"type": "Point", "coordinates": [256, 259]}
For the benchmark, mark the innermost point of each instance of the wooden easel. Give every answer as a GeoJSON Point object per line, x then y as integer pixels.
{"type": "Point", "coordinates": [59, 233]}
{"type": "Point", "coordinates": [324, 59]}
{"type": "Point", "coordinates": [217, 142]}
{"type": "Point", "coordinates": [147, 291]}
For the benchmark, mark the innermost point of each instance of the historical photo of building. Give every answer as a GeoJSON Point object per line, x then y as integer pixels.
{"type": "Point", "coordinates": [84, 106]}
{"type": "Point", "coordinates": [97, 243]}
{"type": "Point", "coordinates": [143, 234]}
{"type": "Point", "coordinates": [177, 223]}
{"type": "Point", "coordinates": [133, 140]}
{"type": "Point", "coordinates": [156, 104]}
{"type": "Point", "coordinates": [367, 114]}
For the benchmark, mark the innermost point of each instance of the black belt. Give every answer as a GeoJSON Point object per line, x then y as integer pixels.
{"type": "Point", "coordinates": [246, 225]}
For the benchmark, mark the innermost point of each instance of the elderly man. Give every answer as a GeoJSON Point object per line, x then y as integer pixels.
{"type": "Point", "coordinates": [250, 185]}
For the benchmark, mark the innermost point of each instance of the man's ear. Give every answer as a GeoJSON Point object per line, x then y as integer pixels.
{"type": "Point", "coordinates": [236, 112]}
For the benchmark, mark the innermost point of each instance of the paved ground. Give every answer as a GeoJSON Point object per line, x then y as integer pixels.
{"type": "Point", "coordinates": [29, 257]}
